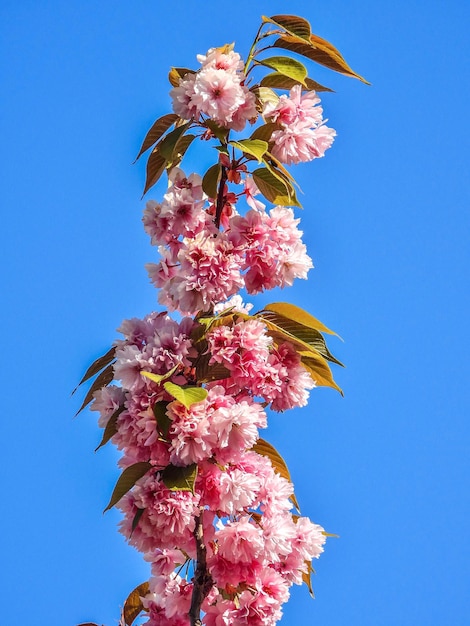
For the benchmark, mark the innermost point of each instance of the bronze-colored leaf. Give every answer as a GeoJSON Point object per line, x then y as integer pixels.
{"type": "Point", "coordinates": [102, 380]}
{"type": "Point", "coordinates": [319, 371]}
{"type": "Point", "coordinates": [111, 427]}
{"type": "Point", "coordinates": [96, 366]}
{"type": "Point", "coordinates": [266, 449]}
{"type": "Point", "coordinates": [299, 315]}
{"type": "Point", "coordinates": [177, 73]}
{"type": "Point", "coordinates": [210, 180]}
{"type": "Point", "coordinates": [320, 51]}
{"type": "Point", "coordinates": [279, 81]}
{"type": "Point", "coordinates": [155, 167]}
{"type": "Point", "coordinates": [307, 577]}
{"type": "Point", "coordinates": [127, 480]}
{"type": "Point", "coordinates": [158, 129]}
{"type": "Point", "coordinates": [293, 24]}
{"type": "Point", "coordinates": [133, 605]}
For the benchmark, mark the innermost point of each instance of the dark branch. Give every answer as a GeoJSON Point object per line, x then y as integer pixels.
{"type": "Point", "coordinates": [220, 197]}
{"type": "Point", "coordinates": [202, 579]}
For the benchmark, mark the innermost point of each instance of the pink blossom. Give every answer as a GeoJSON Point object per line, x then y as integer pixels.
{"type": "Point", "coordinates": [216, 59]}
{"type": "Point", "coordinates": [107, 401]}
{"type": "Point", "coordinates": [296, 108]}
{"type": "Point", "coordinates": [218, 94]}
{"type": "Point", "coordinates": [240, 541]}
{"type": "Point", "coordinates": [182, 95]}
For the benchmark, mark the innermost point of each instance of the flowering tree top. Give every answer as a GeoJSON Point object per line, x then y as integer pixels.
{"type": "Point", "coordinates": [207, 501]}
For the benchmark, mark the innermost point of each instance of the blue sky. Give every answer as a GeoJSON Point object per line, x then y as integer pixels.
{"type": "Point", "coordinates": [386, 220]}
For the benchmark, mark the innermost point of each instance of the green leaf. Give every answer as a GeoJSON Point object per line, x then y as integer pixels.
{"type": "Point", "coordinates": [163, 421]}
{"type": "Point", "coordinates": [305, 333]}
{"type": "Point", "coordinates": [155, 167]}
{"type": "Point", "coordinates": [280, 466]}
{"type": "Point", "coordinates": [176, 73]}
{"type": "Point", "coordinates": [320, 51]}
{"type": "Point", "coordinates": [167, 145]}
{"type": "Point", "coordinates": [181, 147]}
{"type": "Point", "coordinates": [287, 67]}
{"type": "Point", "coordinates": [206, 373]}
{"type": "Point", "coordinates": [279, 81]}
{"type": "Point", "coordinates": [158, 129]}
{"type": "Point", "coordinates": [293, 24]}
{"type": "Point", "coordinates": [299, 315]}
{"type": "Point", "coordinates": [111, 427]}
{"type": "Point", "coordinates": [313, 361]}
{"type": "Point", "coordinates": [102, 380]}
{"type": "Point", "coordinates": [136, 520]}
{"type": "Point", "coordinates": [210, 180]}
{"type": "Point", "coordinates": [219, 131]}
{"type": "Point", "coordinates": [253, 147]}
{"type": "Point", "coordinates": [187, 395]}
{"type": "Point", "coordinates": [97, 366]}
{"type": "Point", "coordinates": [277, 168]}
{"type": "Point", "coordinates": [127, 480]}
{"type": "Point", "coordinates": [159, 378]}
{"type": "Point", "coordinates": [265, 131]}
{"type": "Point", "coordinates": [265, 95]}
{"type": "Point", "coordinates": [274, 189]}
{"type": "Point", "coordinates": [180, 478]}
{"type": "Point", "coordinates": [133, 605]}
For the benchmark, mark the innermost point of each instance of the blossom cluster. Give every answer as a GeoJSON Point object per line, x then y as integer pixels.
{"type": "Point", "coordinates": [217, 91]}
{"type": "Point", "coordinates": [202, 265]}
{"type": "Point", "coordinates": [303, 135]}
{"type": "Point", "coordinates": [256, 547]}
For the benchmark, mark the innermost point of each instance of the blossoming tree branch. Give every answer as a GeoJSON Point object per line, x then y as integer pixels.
{"type": "Point", "coordinates": [209, 503]}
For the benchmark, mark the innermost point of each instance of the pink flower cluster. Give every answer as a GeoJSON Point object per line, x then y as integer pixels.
{"type": "Point", "coordinates": [201, 463]}
{"type": "Point", "coordinates": [256, 547]}
{"type": "Point", "coordinates": [202, 266]}
{"type": "Point", "coordinates": [303, 135]}
{"type": "Point", "coordinates": [216, 91]}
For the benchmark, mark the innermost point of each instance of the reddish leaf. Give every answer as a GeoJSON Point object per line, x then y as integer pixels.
{"type": "Point", "coordinates": [96, 366]}
{"type": "Point", "coordinates": [320, 51]}
{"type": "Point", "coordinates": [102, 380]}
{"type": "Point", "coordinates": [155, 168]}
{"type": "Point", "coordinates": [158, 129]}
{"type": "Point", "coordinates": [293, 24]}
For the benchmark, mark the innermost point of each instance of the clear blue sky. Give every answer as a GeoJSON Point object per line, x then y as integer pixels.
{"type": "Point", "coordinates": [387, 223]}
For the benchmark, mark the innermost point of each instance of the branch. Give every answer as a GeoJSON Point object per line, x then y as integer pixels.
{"type": "Point", "coordinates": [202, 579]}
{"type": "Point", "coordinates": [220, 197]}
